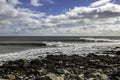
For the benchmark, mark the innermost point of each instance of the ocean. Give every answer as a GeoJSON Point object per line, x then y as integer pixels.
{"type": "Point", "coordinates": [69, 45]}
{"type": "Point", "coordinates": [54, 38]}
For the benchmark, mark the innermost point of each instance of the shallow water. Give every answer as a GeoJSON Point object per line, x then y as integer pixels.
{"type": "Point", "coordinates": [55, 45]}
{"type": "Point", "coordinates": [30, 52]}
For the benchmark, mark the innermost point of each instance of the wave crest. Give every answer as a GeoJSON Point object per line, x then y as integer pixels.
{"type": "Point", "coordinates": [97, 40]}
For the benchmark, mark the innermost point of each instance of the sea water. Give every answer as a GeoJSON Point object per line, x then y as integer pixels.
{"type": "Point", "coordinates": [55, 46]}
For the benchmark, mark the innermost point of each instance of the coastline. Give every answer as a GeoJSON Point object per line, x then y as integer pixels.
{"type": "Point", "coordinates": [63, 67]}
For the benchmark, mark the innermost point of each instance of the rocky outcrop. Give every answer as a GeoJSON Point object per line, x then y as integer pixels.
{"type": "Point", "coordinates": [63, 67]}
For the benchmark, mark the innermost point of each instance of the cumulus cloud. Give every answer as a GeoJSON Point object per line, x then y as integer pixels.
{"type": "Point", "coordinates": [14, 2]}
{"type": "Point", "coordinates": [96, 20]}
{"type": "Point", "coordinates": [99, 18]}
{"type": "Point", "coordinates": [36, 3]}
{"type": "Point", "coordinates": [12, 19]}
{"type": "Point", "coordinates": [99, 3]}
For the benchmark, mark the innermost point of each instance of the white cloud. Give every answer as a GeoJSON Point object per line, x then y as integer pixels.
{"type": "Point", "coordinates": [14, 2]}
{"type": "Point", "coordinates": [87, 20]}
{"type": "Point", "coordinates": [36, 3]}
{"type": "Point", "coordinates": [16, 19]}
{"type": "Point", "coordinates": [99, 3]}
{"type": "Point", "coordinates": [2, 1]}
{"type": "Point", "coordinates": [96, 20]}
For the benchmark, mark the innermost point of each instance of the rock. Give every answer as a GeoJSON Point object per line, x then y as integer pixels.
{"type": "Point", "coordinates": [42, 71]}
{"type": "Point", "coordinates": [60, 71]}
{"type": "Point", "coordinates": [62, 67]}
{"type": "Point", "coordinates": [44, 78]}
{"type": "Point", "coordinates": [52, 76]}
{"type": "Point", "coordinates": [66, 71]}
{"type": "Point", "coordinates": [20, 77]}
{"type": "Point", "coordinates": [81, 67]}
{"type": "Point", "coordinates": [103, 77]}
{"type": "Point", "coordinates": [118, 53]}
{"type": "Point", "coordinates": [76, 70]}
{"type": "Point", "coordinates": [36, 62]}
{"type": "Point", "coordinates": [81, 76]}
{"type": "Point", "coordinates": [0, 77]}
{"type": "Point", "coordinates": [96, 75]}
{"type": "Point", "coordinates": [11, 77]}
{"type": "Point", "coordinates": [115, 75]}
{"type": "Point", "coordinates": [61, 78]}
{"type": "Point", "coordinates": [91, 55]}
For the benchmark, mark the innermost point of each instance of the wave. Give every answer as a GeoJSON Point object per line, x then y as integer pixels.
{"type": "Point", "coordinates": [23, 43]}
{"type": "Point", "coordinates": [57, 44]}
{"type": "Point", "coordinates": [97, 40]}
{"type": "Point", "coordinates": [80, 40]}
{"type": "Point", "coordinates": [74, 48]}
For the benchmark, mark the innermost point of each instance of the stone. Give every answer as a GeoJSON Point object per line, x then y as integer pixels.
{"type": "Point", "coordinates": [103, 77]}
{"type": "Point", "coordinates": [60, 71]}
{"type": "Point", "coordinates": [42, 71]}
{"type": "Point", "coordinates": [60, 78]}
{"type": "Point", "coordinates": [91, 55]}
{"type": "Point", "coordinates": [0, 77]}
{"type": "Point", "coordinates": [66, 71]}
{"type": "Point", "coordinates": [118, 53]}
{"type": "Point", "coordinates": [11, 76]}
{"type": "Point", "coordinates": [81, 76]}
{"type": "Point", "coordinates": [44, 78]}
{"type": "Point", "coordinates": [81, 67]}
{"type": "Point", "coordinates": [52, 76]}
{"type": "Point", "coordinates": [61, 67]}
{"type": "Point", "coordinates": [115, 75]}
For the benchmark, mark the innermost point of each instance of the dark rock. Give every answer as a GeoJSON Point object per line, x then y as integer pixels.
{"type": "Point", "coordinates": [118, 53]}
{"type": "Point", "coordinates": [74, 67]}
{"type": "Point", "coordinates": [91, 55]}
{"type": "Point", "coordinates": [10, 76]}
{"type": "Point", "coordinates": [59, 71]}
{"type": "Point", "coordinates": [44, 78]}
{"type": "Point", "coordinates": [115, 75]}
{"type": "Point", "coordinates": [37, 62]}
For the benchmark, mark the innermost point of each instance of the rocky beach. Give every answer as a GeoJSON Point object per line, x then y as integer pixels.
{"type": "Point", "coordinates": [60, 60]}
{"type": "Point", "coordinates": [59, 39]}
{"type": "Point", "coordinates": [63, 67]}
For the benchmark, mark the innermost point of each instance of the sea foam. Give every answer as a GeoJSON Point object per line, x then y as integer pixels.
{"type": "Point", "coordinates": [67, 48]}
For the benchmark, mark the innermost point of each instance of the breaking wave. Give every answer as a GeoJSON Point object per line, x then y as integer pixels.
{"type": "Point", "coordinates": [73, 48]}
{"type": "Point", "coordinates": [81, 41]}
{"type": "Point", "coordinates": [82, 47]}
{"type": "Point", "coordinates": [97, 40]}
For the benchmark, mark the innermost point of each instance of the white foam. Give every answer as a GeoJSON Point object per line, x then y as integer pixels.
{"type": "Point", "coordinates": [100, 40]}
{"type": "Point", "coordinates": [73, 48]}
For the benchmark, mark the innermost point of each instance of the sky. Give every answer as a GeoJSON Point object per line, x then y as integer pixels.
{"type": "Point", "coordinates": [59, 17]}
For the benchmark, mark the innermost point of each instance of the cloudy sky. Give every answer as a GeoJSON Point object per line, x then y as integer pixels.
{"type": "Point", "coordinates": [59, 17]}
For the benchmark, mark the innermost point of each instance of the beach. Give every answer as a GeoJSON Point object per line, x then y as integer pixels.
{"type": "Point", "coordinates": [88, 59]}
{"type": "Point", "coordinates": [59, 39]}
{"type": "Point", "coordinates": [63, 67]}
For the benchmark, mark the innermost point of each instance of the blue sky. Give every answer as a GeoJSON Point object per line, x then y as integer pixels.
{"type": "Point", "coordinates": [59, 17]}
{"type": "Point", "coordinates": [55, 8]}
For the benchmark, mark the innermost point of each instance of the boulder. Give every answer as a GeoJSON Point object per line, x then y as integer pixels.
{"type": "Point", "coordinates": [11, 77]}
{"type": "Point", "coordinates": [118, 53]}
{"type": "Point", "coordinates": [91, 55]}
{"type": "Point", "coordinates": [52, 76]}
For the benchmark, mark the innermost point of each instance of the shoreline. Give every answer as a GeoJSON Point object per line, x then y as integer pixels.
{"type": "Point", "coordinates": [63, 67]}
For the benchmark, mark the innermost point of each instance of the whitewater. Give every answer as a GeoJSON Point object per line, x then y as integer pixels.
{"type": "Point", "coordinates": [57, 48]}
